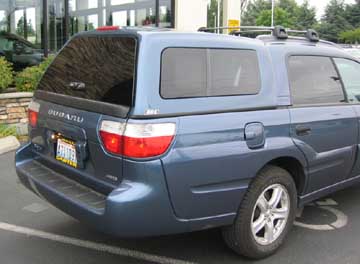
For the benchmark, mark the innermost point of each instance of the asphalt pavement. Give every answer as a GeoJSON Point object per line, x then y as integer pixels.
{"type": "Point", "coordinates": [33, 232]}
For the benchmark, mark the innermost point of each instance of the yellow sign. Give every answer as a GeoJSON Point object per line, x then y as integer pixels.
{"type": "Point", "coordinates": [233, 23]}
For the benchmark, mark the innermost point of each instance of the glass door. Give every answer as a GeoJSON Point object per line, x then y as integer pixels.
{"type": "Point", "coordinates": [56, 20]}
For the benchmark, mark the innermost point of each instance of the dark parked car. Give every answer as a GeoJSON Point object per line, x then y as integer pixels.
{"type": "Point", "coordinates": [19, 51]}
{"type": "Point", "coordinates": [144, 132]}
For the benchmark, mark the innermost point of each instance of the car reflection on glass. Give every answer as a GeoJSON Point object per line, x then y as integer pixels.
{"type": "Point", "coordinates": [19, 51]}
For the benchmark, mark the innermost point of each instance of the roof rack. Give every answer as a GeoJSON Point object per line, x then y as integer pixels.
{"type": "Point", "coordinates": [278, 32]}
{"type": "Point", "coordinates": [310, 34]}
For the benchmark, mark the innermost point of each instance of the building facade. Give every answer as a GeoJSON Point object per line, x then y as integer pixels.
{"type": "Point", "coordinates": [50, 23]}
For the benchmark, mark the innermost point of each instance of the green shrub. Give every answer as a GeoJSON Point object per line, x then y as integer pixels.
{"type": "Point", "coordinates": [351, 36]}
{"type": "Point", "coordinates": [28, 79]}
{"type": "Point", "coordinates": [6, 130]}
{"type": "Point", "coordinates": [46, 62]}
{"type": "Point", "coordinates": [6, 74]}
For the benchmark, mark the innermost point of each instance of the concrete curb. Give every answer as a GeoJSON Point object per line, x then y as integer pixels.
{"type": "Point", "coordinates": [8, 144]}
{"type": "Point", "coordinates": [16, 95]}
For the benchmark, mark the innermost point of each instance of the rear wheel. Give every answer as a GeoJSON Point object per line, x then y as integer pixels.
{"type": "Point", "coordinates": [265, 216]}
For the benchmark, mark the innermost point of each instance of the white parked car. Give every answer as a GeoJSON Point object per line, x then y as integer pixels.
{"type": "Point", "coordinates": [354, 51]}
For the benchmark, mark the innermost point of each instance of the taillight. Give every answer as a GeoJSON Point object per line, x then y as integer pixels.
{"type": "Point", "coordinates": [137, 140]}
{"type": "Point", "coordinates": [33, 113]}
{"type": "Point", "coordinates": [111, 135]}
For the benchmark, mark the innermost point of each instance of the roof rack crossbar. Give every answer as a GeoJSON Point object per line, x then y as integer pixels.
{"type": "Point", "coordinates": [296, 31]}
{"type": "Point", "coordinates": [278, 31]}
{"type": "Point", "coordinates": [205, 29]}
{"type": "Point", "coordinates": [239, 32]}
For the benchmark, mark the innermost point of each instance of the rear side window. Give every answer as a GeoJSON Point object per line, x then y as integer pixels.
{"type": "Point", "coordinates": [314, 80]}
{"type": "Point", "coordinates": [94, 68]}
{"type": "Point", "coordinates": [350, 74]}
{"type": "Point", "coordinates": [191, 72]}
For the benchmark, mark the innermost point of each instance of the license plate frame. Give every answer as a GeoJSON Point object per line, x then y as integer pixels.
{"type": "Point", "coordinates": [66, 152]}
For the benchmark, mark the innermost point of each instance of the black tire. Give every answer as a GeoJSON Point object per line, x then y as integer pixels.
{"type": "Point", "coordinates": [239, 236]}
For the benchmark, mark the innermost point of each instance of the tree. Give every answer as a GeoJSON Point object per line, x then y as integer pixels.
{"type": "Point", "coordinates": [243, 6]}
{"type": "Point", "coordinates": [212, 10]}
{"type": "Point", "coordinates": [90, 26]}
{"type": "Point", "coordinates": [352, 14]}
{"type": "Point", "coordinates": [20, 29]}
{"type": "Point", "coordinates": [30, 28]}
{"type": "Point", "coordinates": [20, 26]}
{"type": "Point", "coordinates": [212, 13]}
{"type": "Point", "coordinates": [253, 11]}
{"type": "Point", "coordinates": [334, 21]}
{"type": "Point", "coordinates": [302, 17]}
{"type": "Point", "coordinates": [339, 17]}
{"type": "Point", "coordinates": [3, 24]}
{"type": "Point", "coordinates": [290, 6]}
{"type": "Point", "coordinates": [305, 16]}
{"type": "Point", "coordinates": [281, 17]}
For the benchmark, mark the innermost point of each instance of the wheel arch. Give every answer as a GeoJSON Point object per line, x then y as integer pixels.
{"type": "Point", "coordinates": [296, 169]}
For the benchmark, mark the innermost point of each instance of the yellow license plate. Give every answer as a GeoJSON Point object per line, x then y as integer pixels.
{"type": "Point", "coordinates": [66, 152]}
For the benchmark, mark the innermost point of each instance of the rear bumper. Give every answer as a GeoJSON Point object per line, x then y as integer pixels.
{"type": "Point", "coordinates": [137, 208]}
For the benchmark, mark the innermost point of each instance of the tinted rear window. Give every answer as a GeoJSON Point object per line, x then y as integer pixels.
{"type": "Point", "coordinates": [94, 68]}
{"type": "Point", "coordinates": [314, 80]}
{"type": "Point", "coordinates": [192, 72]}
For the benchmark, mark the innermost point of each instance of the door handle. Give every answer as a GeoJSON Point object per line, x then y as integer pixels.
{"type": "Point", "coordinates": [302, 130]}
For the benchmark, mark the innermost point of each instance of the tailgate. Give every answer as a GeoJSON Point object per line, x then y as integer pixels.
{"type": "Point", "coordinates": [91, 79]}
{"type": "Point", "coordinates": [76, 130]}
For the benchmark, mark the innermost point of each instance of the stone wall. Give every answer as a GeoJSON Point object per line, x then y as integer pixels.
{"type": "Point", "coordinates": [13, 110]}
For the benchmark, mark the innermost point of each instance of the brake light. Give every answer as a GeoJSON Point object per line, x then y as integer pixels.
{"type": "Point", "coordinates": [33, 113]}
{"type": "Point", "coordinates": [108, 28]}
{"type": "Point", "coordinates": [111, 135]}
{"type": "Point", "coordinates": [137, 140]}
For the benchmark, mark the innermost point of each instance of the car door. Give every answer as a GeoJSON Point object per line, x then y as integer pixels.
{"type": "Point", "coordinates": [22, 54]}
{"type": "Point", "coordinates": [350, 75]}
{"type": "Point", "coordinates": [323, 125]}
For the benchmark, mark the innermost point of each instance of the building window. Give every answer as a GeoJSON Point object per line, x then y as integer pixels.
{"type": "Point", "coordinates": [132, 13]}
{"type": "Point", "coordinates": [23, 20]}
{"type": "Point", "coordinates": [56, 27]}
{"type": "Point", "coordinates": [68, 17]}
{"type": "Point", "coordinates": [165, 13]}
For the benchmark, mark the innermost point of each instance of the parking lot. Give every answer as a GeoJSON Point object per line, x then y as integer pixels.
{"type": "Point", "coordinates": [31, 231]}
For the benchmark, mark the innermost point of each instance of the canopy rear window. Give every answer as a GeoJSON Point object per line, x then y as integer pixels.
{"type": "Point", "coordinates": [99, 68]}
{"type": "Point", "coordinates": [200, 72]}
